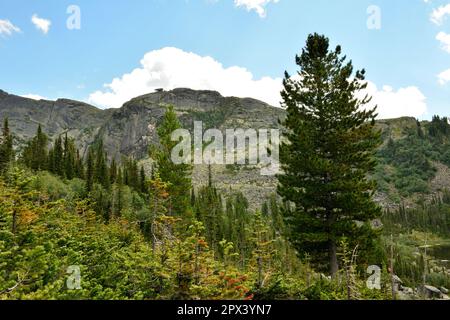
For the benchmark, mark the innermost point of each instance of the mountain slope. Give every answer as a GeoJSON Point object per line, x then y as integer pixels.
{"type": "Point", "coordinates": [131, 128]}
{"type": "Point", "coordinates": [80, 120]}
{"type": "Point", "coordinates": [128, 130]}
{"type": "Point", "coordinates": [414, 163]}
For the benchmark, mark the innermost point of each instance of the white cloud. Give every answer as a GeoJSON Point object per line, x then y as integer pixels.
{"type": "Point", "coordinates": [171, 68]}
{"type": "Point", "coordinates": [444, 39]}
{"type": "Point", "coordinates": [7, 28]}
{"type": "Point", "coordinates": [34, 97]}
{"type": "Point", "coordinates": [409, 101]}
{"type": "Point", "coordinates": [41, 24]}
{"type": "Point", "coordinates": [444, 77]}
{"type": "Point", "coordinates": [257, 5]}
{"type": "Point", "coordinates": [438, 15]}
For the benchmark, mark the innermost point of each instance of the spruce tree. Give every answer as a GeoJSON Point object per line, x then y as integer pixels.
{"type": "Point", "coordinates": [69, 158]}
{"type": "Point", "coordinates": [328, 153]}
{"type": "Point", "coordinates": [101, 166]}
{"type": "Point", "coordinates": [79, 166]}
{"type": "Point", "coordinates": [90, 170]}
{"type": "Point", "coordinates": [51, 167]}
{"type": "Point", "coordinates": [133, 174]}
{"type": "Point", "coordinates": [119, 192]}
{"type": "Point", "coordinates": [35, 154]}
{"type": "Point", "coordinates": [6, 147]}
{"type": "Point", "coordinates": [142, 181]}
{"type": "Point", "coordinates": [177, 176]}
{"type": "Point", "coordinates": [41, 151]}
{"type": "Point", "coordinates": [58, 156]}
{"type": "Point", "coordinates": [113, 171]}
{"type": "Point", "coordinates": [208, 209]}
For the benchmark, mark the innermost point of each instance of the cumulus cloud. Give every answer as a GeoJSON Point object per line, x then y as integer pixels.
{"type": "Point", "coordinates": [34, 97]}
{"type": "Point", "coordinates": [444, 77]}
{"type": "Point", "coordinates": [171, 68]}
{"type": "Point", "coordinates": [256, 5]}
{"type": "Point", "coordinates": [41, 24]}
{"type": "Point", "coordinates": [7, 28]}
{"type": "Point", "coordinates": [444, 39]}
{"type": "Point", "coordinates": [438, 15]}
{"type": "Point", "coordinates": [408, 101]}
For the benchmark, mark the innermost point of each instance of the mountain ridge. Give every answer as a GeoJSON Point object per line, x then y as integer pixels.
{"type": "Point", "coordinates": [129, 130]}
{"type": "Point", "coordinates": [85, 122]}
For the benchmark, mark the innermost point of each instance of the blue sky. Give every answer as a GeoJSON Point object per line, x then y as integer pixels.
{"type": "Point", "coordinates": [238, 47]}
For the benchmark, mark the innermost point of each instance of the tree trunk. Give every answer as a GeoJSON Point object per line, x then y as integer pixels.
{"type": "Point", "coordinates": [14, 222]}
{"type": "Point", "coordinates": [334, 267]}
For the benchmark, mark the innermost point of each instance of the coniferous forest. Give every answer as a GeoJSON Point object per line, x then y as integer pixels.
{"type": "Point", "coordinates": [87, 225]}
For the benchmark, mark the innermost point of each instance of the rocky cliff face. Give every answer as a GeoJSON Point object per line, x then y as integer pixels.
{"type": "Point", "coordinates": [129, 131]}
{"type": "Point", "coordinates": [79, 120]}
{"type": "Point", "coordinates": [132, 128]}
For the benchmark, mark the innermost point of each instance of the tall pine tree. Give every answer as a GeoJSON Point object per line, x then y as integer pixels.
{"type": "Point", "coordinates": [327, 154]}
{"type": "Point", "coordinates": [101, 166]}
{"type": "Point", "coordinates": [177, 176]}
{"type": "Point", "coordinates": [35, 154]}
{"type": "Point", "coordinates": [6, 147]}
{"type": "Point", "coordinates": [69, 157]}
{"type": "Point", "coordinates": [90, 170]}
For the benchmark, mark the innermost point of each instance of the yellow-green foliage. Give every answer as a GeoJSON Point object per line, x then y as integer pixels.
{"type": "Point", "coordinates": [41, 238]}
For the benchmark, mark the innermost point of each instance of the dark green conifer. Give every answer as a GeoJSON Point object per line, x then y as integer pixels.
{"type": "Point", "coordinates": [328, 153]}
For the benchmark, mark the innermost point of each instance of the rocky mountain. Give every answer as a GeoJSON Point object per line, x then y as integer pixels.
{"type": "Point", "coordinates": [131, 128]}
{"type": "Point", "coordinates": [410, 165]}
{"type": "Point", "coordinates": [79, 120]}
{"type": "Point", "coordinates": [128, 130]}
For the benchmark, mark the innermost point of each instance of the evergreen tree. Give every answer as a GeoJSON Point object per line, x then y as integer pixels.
{"type": "Point", "coordinates": [58, 157]}
{"type": "Point", "coordinates": [419, 129]}
{"type": "Point", "coordinates": [90, 170]}
{"type": "Point", "coordinates": [113, 171]}
{"type": "Point", "coordinates": [178, 176]}
{"type": "Point", "coordinates": [142, 181]}
{"type": "Point", "coordinates": [265, 209]}
{"type": "Point", "coordinates": [35, 154]}
{"type": "Point", "coordinates": [439, 128]}
{"type": "Point", "coordinates": [119, 191]}
{"type": "Point", "coordinates": [328, 152]}
{"type": "Point", "coordinates": [79, 166]}
{"type": "Point", "coordinates": [131, 174]}
{"type": "Point", "coordinates": [6, 147]}
{"type": "Point", "coordinates": [193, 198]}
{"type": "Point", "coordinates": [101, 166]}
{"type": "Point", "coordinates": [263, 252]}
{"type": "Point", "coordinates": [208, 209]}
{"type": "Point", "coordinates": [41, 151]}
{"type": "Point", "coordinates": [69, 158]}
{"type": "Point", "coordinates": [51, 166]}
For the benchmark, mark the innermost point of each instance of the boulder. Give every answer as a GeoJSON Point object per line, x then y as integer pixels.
{"type": "Point", "coordinates": [430, 292]}
{"type": "Point", "coordinates": [407, 290]}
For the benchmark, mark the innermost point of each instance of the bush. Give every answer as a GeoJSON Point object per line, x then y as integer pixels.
{"type": "Point", "coordinates": [51, 186]}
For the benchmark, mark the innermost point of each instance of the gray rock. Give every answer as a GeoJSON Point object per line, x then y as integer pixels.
{"type": "Point", "coordinates": [129, 130]}
{"type": "Point", "coordinates": [430, 292]}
